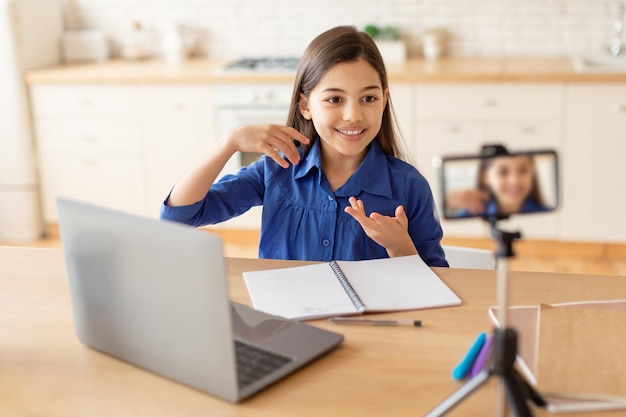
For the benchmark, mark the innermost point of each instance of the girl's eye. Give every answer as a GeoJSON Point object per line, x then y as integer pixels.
{"type": "Point", "coordinates": [369, 99]}
{"type": "Point", "coordinates": [334, 100]}
{"type": "Point", "coordinates": [503, 171]}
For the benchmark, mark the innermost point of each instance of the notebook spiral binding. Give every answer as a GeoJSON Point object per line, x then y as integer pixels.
{"type": "Point", "coordinates": [346, 286]}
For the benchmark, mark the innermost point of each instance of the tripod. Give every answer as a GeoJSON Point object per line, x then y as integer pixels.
{"type": "Point", "coordinates": [518, 390]}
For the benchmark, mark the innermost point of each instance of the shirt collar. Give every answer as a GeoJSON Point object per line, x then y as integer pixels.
{"type": "Point", "coordinates": [313, 159]}
{"type": "Point", "coordinates": [372, 176]}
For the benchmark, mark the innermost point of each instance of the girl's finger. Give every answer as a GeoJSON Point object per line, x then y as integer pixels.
{"type": "Point", "coordinates": [401, 216]}
{"type": "Point", "coordinates": [273, 153]}
{"type": "Point", "coordinates": [283, 141]}
{"type": "Point", "coordinates": [295, 135]}
{"type": "Point", "coordinates": [355, 211]}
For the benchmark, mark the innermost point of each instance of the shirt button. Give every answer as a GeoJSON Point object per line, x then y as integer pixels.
{"type": "Point", "coordinates": [330, 197]}
{"type": "Point", "coordinates": [326, 242]}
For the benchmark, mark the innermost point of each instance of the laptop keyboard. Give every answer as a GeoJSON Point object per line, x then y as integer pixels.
{"type": "Point", "coordinates": [253, 363]}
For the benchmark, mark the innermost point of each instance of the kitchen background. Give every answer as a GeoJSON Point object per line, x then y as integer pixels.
{"type": "Point", "coordinates": [235, 28]}
{"type": "Point", "coordinates": [121, 132]}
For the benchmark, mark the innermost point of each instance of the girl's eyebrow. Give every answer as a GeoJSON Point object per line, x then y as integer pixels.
{"type": "Point", "coordinates": [339, 90]}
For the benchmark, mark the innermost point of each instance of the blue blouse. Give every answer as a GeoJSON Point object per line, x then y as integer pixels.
{"type": "Point", "coordinates": [491, 208]}
{"type": "Point", "coordinates": [304, 220]}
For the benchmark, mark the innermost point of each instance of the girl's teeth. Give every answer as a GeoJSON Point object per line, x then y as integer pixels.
{"type": "Point", "coordinates": [351, 132]}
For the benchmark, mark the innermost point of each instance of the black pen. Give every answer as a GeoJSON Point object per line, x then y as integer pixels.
{"type": "Point", "coordinates": [376, 322]}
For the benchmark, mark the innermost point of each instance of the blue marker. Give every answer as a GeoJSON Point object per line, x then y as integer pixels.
{"type": "Point", "coordinates": [460, 371]}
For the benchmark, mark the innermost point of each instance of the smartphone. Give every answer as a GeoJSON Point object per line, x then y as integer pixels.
{"type": "Point", "coordinates": [496, 185]}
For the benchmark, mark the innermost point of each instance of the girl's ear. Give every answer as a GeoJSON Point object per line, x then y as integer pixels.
{"type": "Point", "coordinates": [386, 97]}
{"type": "Point", "coordinates": [303, 106]}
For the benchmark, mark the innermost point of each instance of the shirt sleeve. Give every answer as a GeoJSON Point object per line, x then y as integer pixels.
{"type": "Point", "coordinates": [232, 195]}
{"type": "Point", "coordinates": [424, 226]}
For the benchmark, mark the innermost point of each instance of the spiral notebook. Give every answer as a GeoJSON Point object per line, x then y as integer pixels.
{"type": "Point", "coordinates": [348, 287]}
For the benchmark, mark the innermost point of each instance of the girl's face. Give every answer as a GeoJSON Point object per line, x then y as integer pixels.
{"type": "Point", "coordinates": [346, 108]}
{"type": "Point", "coordinates": [511, 180]}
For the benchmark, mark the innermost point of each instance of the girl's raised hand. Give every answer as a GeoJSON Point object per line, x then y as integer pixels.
{"type": "Point", "coordinates": [270, 140]}
{"type": "Point", "coordinates": [389, 232]}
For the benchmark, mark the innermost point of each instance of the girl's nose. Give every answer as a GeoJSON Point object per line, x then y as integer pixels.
{"type": "Point", "coordinates": [352, 112]}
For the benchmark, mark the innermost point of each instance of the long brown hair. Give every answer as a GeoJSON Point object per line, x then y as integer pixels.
{"type": "Point", "coordinates": [335, 46]}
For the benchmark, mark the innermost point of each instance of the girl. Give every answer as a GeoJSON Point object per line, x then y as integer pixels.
{"type": "Point", "coordinates": [330, 182]}
{"type": "Point", "coordinates": [505, 185]}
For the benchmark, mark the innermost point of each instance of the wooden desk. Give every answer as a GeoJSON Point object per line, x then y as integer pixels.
{"type": "Point", "coordinates": [378, 371]}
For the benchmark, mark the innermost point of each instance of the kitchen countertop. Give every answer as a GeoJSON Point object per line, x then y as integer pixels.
{"type": "Point", "coordinates": [411, 71]}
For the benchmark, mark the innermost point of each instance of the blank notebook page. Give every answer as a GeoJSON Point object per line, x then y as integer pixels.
{"type": "Point", "coordinates": [402, 284]}
{"type": "Point", "coordinates": [311, 290]}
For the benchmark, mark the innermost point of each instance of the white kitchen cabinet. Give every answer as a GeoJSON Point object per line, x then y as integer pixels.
{"type": "Point", "coordinates": [177, 125]}
{"type": "Point", "coordinates": [594, 168]}
{"type": "Point", "coordinates": [84, 100]}
{"type": "Point", "coordinates": [443, 139]}
{"type": "Point", "coordinates": [114, 181]}
{"type": "Point", "coordinates": [125, 145]}
{"type": "Point", "coordinates": [89, 145]}
{"type": "Point", "coordinates": [458, 118]}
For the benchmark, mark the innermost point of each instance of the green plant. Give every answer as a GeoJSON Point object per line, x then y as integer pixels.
{"type": "Point", "coordinates": [387, 33]}
{"type": "Point", "coordinates": [372, 30]}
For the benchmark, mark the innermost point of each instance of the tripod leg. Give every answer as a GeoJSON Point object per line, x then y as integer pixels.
{"type": "Point", "coordinates": [459, 395]}
{"type": "Point", "coordinates": [516, 396]}
{"type": "Point", "coordinates": [529, 391]}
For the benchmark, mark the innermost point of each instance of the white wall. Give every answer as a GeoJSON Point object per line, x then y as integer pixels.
{"type": "Point", "coordinates": [233, 28]}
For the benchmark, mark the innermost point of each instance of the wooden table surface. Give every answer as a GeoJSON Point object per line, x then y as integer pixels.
{"type": "Point", "coordinates": [378, 371]}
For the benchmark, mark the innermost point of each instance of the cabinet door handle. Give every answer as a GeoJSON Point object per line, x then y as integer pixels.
{"type": "Point", "coordinates": [253, 97]}
{"type": "Point", "coordinates": [89, 139]}
{"type": "Point", "coordinates": [528, 130]}
{"type": "Point", "coordinates": [491, 102]}
{"type": "Point", "coordinates": [179, 106]}
{"type": "Point", "coordinates": [85, 102]}
{"type": "Point", "coordinates": [618, 108]}
{"type": "Point", "coordinates": [91, 162]}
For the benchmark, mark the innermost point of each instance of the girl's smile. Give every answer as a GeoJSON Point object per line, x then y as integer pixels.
{"type": "Point", "coordinates": [351, 134]}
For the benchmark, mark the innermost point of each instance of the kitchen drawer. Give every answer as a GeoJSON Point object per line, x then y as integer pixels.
{"type": "Point", "coordinates": [84, 100]}
{"type": "Point", "coordinates": [488, 102]}
{"type": "Point", "coordinates": [176, 101]}
{"type": "Point", "coordinates": [88, 134]}
{"type": "Point", "coordinates": [277, 94]}
{"type": "Point", "coordinates": [114, 181]}
{"type": "Point", "coordinates": [438, 138]}
{"type": "Point", "coordinates": [524, 136]}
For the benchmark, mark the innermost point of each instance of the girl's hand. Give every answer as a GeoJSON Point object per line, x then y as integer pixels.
{"type": "Point", "coordinates": [474, 201]}
{"type": "Point", "coordinates": [196, 182]}
{"type": "Point", "coordinates": [269, 140]}
{"type": "Point", "coordinates": [389, 232]}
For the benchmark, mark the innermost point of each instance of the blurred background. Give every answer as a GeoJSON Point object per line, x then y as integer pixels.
{"type": "Point", "coordinates": [110, 100]}
{"type": "Point", "coordinates": [231, 29]}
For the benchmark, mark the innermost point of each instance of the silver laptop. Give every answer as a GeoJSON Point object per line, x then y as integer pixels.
{"type": "Point", "coordinates": [154, 294]}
